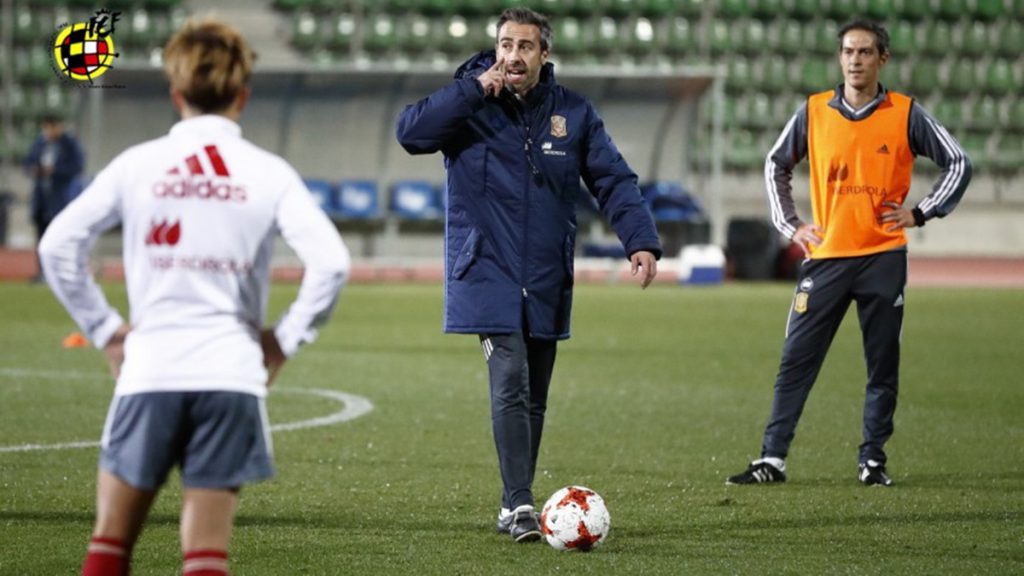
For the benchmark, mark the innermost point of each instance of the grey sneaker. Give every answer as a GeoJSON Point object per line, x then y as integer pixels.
{"type": "Point", "coordinates": [759, 472]}
{"type": "Point", "coordinates": [504, 521]}
{"type": "Point", "coordinates": [873, 474]}
{"type": "Point", "coordinates": [524, 526]}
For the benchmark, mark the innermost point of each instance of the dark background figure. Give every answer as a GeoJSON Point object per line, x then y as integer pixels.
{"type": "Point", "coordinates": [54, 163]}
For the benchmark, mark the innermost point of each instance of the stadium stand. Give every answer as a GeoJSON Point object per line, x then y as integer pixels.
{"type": "Point", "coordinates": [961, 58]}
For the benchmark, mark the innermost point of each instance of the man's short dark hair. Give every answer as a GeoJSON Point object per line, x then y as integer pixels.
{"type": "Point", "coordinates": [527, 16]}
{"type": "Point", "coordinates": [881, 34]}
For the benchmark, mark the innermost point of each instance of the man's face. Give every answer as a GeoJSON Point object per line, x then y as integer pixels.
{"type": "Point", "coordinates": [52, 130]}
{"type": "Point", "coordinates": [519, 46]}
{"type": "Point", "coordinates": [860, 59]}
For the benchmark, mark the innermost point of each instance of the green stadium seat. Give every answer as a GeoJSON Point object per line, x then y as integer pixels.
{"type": "Point", "coordinates": [1010, 39]}
{"type": "Point", "coordinates": [604, 36]}
{"type": "Point", "coordinates": [617, 8]}
{"type": "Point", "coordinates": [767, 10]}
{"type": "Point", "coordinates": [306, 34]}
{"type": "Point", "coordinates": [689, 8]}
{"type": "Point", "coordinates": [984, 115]}
{"type": "Point", "coordinates": [1018, 9]}
{"type": "Point", "coordinates": [762, 112]}
{"type": "Point", "coordinates": [733, 9]}
{"type": "Point", "coordinates": [817, 75]}
{"type": "Point", "coordinates": [772, 75]}
{"type": "Point", "coordinates": [436, 7]}
{"type": "Point", "coordinates": [343, 33]}
{"type": "Point", "coordinates": [641, 37]}
{"type": "Point", "coordinates": [924, 78]}
{"type": "Point", "coordinates": [961, 79]}
{"type": "Point", "coordinates": [802, 10]}
{"type": "Point", "coordinates": [751, 35]}
{"type": "Point", "coordinates": [841, 10]}
{"type": "Point", "coordinates": [682, 38]}
{"type": "Point", "coordinates": [475, 8]}
{"type": "Point", "coordinates": [880, 9]}
{"type": "Point", "coordinates": [999, 78]}
{"type": "Point", "coordinates": [975, 144]}
{"type": "Point", "coordinates": [380, 33]}
{"type": "Point", "coordinates": [1008, 159]}
{"type": "Point", "coordinates": [821, 37]}
{"type": "Point", "coordinates": [901, 39]}
{"type": "Point", "coordinates": [951, 9]}
{"type": "Point", "coordinates": [568, 36]}
{"type": "Point", "coordinates": [913, 10]}
{"type": "Point", "coordinates": [988, 10]}
{"type": "Point", "coordinates": [1015, 115]}
{"type": "Point", "coordinates": [936, 38]}
{"type": "Point", "coordinates": [739, 75]}
{"type": "Point", "coordinates": [788, 39]}
{"type": "Point", "coordinates": [292, 5]}
{"type": "Point", "coordinates": [161, 5]}
{"type": "Point", "coordinates": [28, 26]}
{"type": "Point", "coordinates": [949, 112]}
{"type": "Point", "coordinates": [744, 151]}
{"type": "Point", "coordinates": [720, 38]}
{"type": "Point", "coordinates": [656, 9]}
{"type": "Point", "coordinates": [972, 39]}
{"type": "Point", "coordinates": [32, 67]}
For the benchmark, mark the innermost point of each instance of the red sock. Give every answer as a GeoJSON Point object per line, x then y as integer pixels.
{"type": "Point", "coordinates": [206, 563]}
{"type": "Point", "coordinates": [106, 557]}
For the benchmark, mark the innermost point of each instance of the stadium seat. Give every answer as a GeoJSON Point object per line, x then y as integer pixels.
{"type": "Point", "coordinates": [323, 193]}
{"type": "Point", "coordinates": [1008, 159]}
{"type": "Point", "coordinates": [744, 151]}
{"type": "Point", "coordinates": [641, 37]}
{"type": "Point", "coordinates": [605, 34]}
{"type": "Point", "coordinates": [767, 10]}
{"type": "Point", "coordinates": [739, 77]}
{"type": "Point", "coordinates": [1015, 114]}
{"type": "Point", "coordinates": [1018, 9]}
{"type": "Point", "coordinates": [682, 38]}
{"type": "Point", "coordinates": [32, 67]}
{"type": "Point", "coordinates": [342, 36]}
{"type": "Point", "coordinates": [975, 144]}
{"type": "Point", "coordinates": [720, 39]}
{"type": "Point", "coordinates": [669, 202]}
{"type": "Point", "coordinates": [816, 75]}
{"type": "Point", "coordinates": [1010, 40]}
{"type": "Point", "coordinates": [771, 74]}
{"type": "Point", "coordinates": [949, 112]}
{"type": "Point", "coordinates": [985, 115]}
{"type": "Point", "coordinates": [475, 7]}
{"type": "Point", "coordinates": [924, 77]}
{"type": "Point", "coordinates": [762, 112]}
{"type": "Point", "coordinates": [436, 7]}
{"type": "Point", "coordinates": [880, 9]}
{"type": "Point", "coordinates": [787, 37]}
{"type": "Point", "coordinates": [803, 10]}
{"type": "Point", "coordinates": [961, 78]}
{"type": "Point", "coordinates": [733, 9]}
{"type": "Point", "coordinates": [841, 10]}
{"type": "Point", "coordinates": [305, 31]}
{"type": "Point", "coordinates": [416, 200]}
{"type": "Point", "coordinates": [689, 8]}
{"type": "Point", "coordinates": [913, 10]}
{"type": "Point", "coordinates": [380, 33]}
{"type": "Point", "coordinates": [752, 37]}
{"type": "Point", "coordinates": [357, 199]}
{"type": "Point", "coordinates": [656, 9]}
{"type": "Point", "coordinates": [971, 39]}
{"type": "Point", "coordinates": [937, 38]}
{"type": "Point", "coordinates": [988, 10]}
{"type": "Point", "coordinates": [291, 5]}
{"type": "Point", "coordinates": [28, 27]}
{"type": "Point", "coordinates": [616, 8]}
{"type": "Point", "coordinates": [901, 39]}
{"type": "Point", "coordinates": [569, 39]}
{"type": "Point", "coordinates": [999, 78]}
{"type": "Point", "coordinates": [951, 9]}
{"type": "Point", "coordinates": [821, 37]}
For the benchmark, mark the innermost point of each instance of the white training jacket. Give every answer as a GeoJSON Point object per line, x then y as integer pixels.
{"type": "Point", "coordinates": [199, 209]}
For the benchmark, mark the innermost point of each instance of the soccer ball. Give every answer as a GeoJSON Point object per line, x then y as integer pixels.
{"type": "Point", "coordinates": [575, 518]}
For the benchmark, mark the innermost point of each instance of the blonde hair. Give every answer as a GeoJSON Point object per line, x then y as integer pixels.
{"type": "Point", "coordinates": [209, 63]}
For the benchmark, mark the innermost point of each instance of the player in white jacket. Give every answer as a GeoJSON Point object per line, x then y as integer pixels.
{"type": "Point", "coordinates": [199, 209]}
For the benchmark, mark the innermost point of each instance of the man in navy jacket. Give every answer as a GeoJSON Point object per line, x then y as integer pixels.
{"type": "Point", "coordinates": [516, 145]}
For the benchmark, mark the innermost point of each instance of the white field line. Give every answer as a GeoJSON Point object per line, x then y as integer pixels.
{"type": "Point", "coordinates": [355, 406]}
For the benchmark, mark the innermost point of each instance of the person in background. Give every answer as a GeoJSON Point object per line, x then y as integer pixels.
{"type": "Point", "coordinates": [55, 163]}
{"type": "Point", "coordinates": [199, 210]}
{"type": "Point", "coordinates": [860, 140]}
{"type": "Point", "coordinates": [515, 145]}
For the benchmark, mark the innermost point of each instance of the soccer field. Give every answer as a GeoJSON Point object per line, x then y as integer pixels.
{"type": "Point", "coordinates": [657, 397]}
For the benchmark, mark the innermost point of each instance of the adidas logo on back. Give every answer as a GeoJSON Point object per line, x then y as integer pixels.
{"type": "Point", "coordinates": [203, 176]}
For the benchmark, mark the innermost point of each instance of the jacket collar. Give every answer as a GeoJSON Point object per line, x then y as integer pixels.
{"type": "Point", "coordinates": [207, 124]}
{"type": "Point", "coordinates": [844, 107]}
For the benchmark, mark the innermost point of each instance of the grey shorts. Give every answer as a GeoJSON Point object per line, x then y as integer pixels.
{"type": "Point", "coordinates": [219, 439]}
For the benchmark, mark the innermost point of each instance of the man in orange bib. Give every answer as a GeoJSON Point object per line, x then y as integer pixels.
{"type": "Point", "coordinates": [860, 140]}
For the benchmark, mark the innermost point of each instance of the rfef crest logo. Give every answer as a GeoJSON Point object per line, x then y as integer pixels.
{"type": "Point", "coordinates": [84, 51]}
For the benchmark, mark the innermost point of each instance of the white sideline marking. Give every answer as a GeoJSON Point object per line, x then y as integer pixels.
{"type": "Point", "coordinates": [355, 406]}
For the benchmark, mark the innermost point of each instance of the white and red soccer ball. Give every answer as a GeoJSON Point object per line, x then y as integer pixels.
{"type": "Point", "coordinates": [575, 518]}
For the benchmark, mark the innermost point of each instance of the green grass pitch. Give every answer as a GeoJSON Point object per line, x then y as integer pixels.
{"type": "Point", "coordinates": [657, 397]}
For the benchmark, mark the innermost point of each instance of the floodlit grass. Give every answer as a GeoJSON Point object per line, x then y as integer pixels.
{"type": "Point", "coordinates": [658, 396]}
